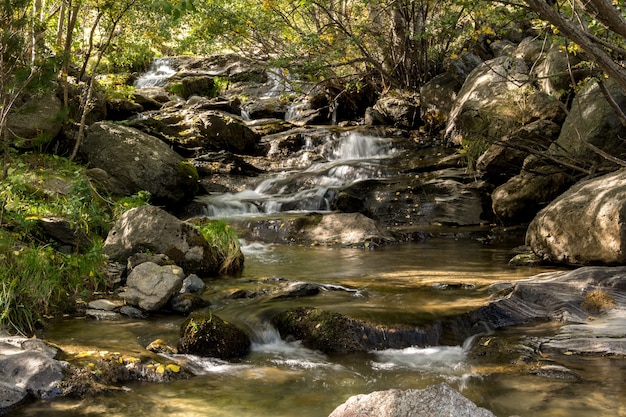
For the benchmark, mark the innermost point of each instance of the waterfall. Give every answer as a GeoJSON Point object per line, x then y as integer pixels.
{"type": "Point", "coordinates": [161, 69]}
{"type": "Point", "coordinates": [349, 158]}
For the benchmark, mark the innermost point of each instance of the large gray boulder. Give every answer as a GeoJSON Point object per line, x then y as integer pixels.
{"type": "Point", "coordinates": [151, 229]}
{"type": "Point", "coordinates": [592, 120]}
{"type": "Point", "coordinates": [150, 286]}
{"type": "Point", "coordinates": [27, 367]}
{"type": "Point", "coordinates": [487, 106]}
{"type": "Point", "coordinates": [584, 225]}
{"type": "Point", "coordinates": [139, 162]}
{"type": "Point", "coordinates": [435, 401]}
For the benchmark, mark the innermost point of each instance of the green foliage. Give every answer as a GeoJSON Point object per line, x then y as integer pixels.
{"type": "Point", "coordinates": [36, 281]}
{"type": "Point", "coordinates": [124, 204]}
{"type": "Point", "coordinates": [225, 240]}
{"type": "Point", "coordinates": [117, 86]}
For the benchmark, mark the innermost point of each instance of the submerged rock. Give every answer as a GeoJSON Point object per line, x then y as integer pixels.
{"type": "Point", "coordinates": [437, 401]}
{"type": "Point", "coordinates": [209, 335]}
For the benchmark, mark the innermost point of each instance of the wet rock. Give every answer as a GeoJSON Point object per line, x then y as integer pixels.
{"type": "Point", "coordinates": [149, 228]}
{"type": "Point", "coordinates": [149, 164]}
{"type": "Point", "coordinates": [584, 225]}
{"type": "Point", "coordinates": [331, 332]}
{"type": "Point", "coordinates": [193, 284]}
{"type": "Point", "coordinates": [560, 297]}
{"type": "Point", "coordinates": [150, 286]}
{"type": "Point", "coordinates": [299, 289]}
{"type": "Point", "coordinates": [132, 312]}
{"type": "Point", "coordinates": [437, 400]}
{"type": "Point", "coordinates": [209, 335]}
{"type": "Point", "coordinates": [161, 346]}
{"type": "Point", "coordinates": [27, 367]}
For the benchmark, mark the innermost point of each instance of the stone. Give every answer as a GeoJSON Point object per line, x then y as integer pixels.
{"type": "Point", "coordinates": [150, 286]}
{"type": "Point", "coordinates": [102, 314]}
{"type": "Point", "coordinates": [30, 368]}
{"type": "Point", "coordinates": [348, 229]}
{"type": "Point", "coordinates": [10, 396]}
{"type": "Point", "coordinates": [132, 312]}
{"type": "Point", "coordinates": [149, 164]}
{"type": "Point", "coordinates": [209, 335]}
{"type": "Point", "coordinates": [435, 401]}
{"type": "Point", "coordinates": [36, 123]}
{"type": "Point", "coordinates": [152, 229]}
{"type": "Point", "coordinates": [399, 109]}
{"type": "Point", "coordinates": [106, 305]}
{"type": "Point", "coordinates": [193, 284]}
{"type": "Point", "coordinates": [487, 106]}
{"type": "Point", "coordinates": [584, 225]}
{"type": "Point", "coordinates": [331, 332]}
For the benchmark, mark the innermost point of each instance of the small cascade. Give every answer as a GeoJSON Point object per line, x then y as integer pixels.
{"type": "Point", "coordinates": [161, 69]}
{"type": "Point", "coordinates": [349, 158]}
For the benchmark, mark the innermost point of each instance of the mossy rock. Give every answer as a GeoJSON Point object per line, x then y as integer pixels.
{"type": "Point", "coordinates": [332, 332]}
{"type": "Point", "coordinates": [209, 335]}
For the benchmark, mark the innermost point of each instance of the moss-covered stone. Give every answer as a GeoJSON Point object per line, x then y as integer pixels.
{"type": "Point", "coordinates": [209, 335]}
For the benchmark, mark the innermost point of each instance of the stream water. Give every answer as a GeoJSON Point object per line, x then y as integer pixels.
{"type": "Point", "coordinates": [408, 283]}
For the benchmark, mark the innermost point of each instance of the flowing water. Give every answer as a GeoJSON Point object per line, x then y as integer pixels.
{"type": "Point", "coordinates": [404, 283]}
{"type": "Point", "coordinates": [161, 69]}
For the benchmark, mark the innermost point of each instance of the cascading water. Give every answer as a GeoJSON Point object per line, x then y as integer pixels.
{"type": "Point", "coordinates": [161, 69]}
{"type": "Point", "coordinates": [348, 158]}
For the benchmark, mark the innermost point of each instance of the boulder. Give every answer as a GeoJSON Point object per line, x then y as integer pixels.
{"type": "Point", "coordinates": [69, 235]}
{"type": "Point", "coordinates": [487, 106]}
{"type": "Point", "coordinates": [200, 85]}
{"type": "Point", "coordinates": [35, 121]}
{"type": "Point", "coordinates": [554, 73]}
{"type": "Point", "coordinates": [584, 225]}
{"type": "Point", "coordinates": [120, 109]}
{"type": "Point", "coordinates": [150, 286]}
{"type": "Point", "coordinates": [331, 332]}
{"type": "Point", "coordinates": [592, 120]}
{"type": "Point", "coordinates": [399, 109]}
{"type": "Point", "coordinates": [505, 159]}
{"type": "Point", "coordinates": [149, 228]}
{"type": "Point", "coordinates": [151, 98]}
{"type": "Point", "coordinates": [437, 98]}
{"type": "Point", "coordinates": [139, 162]}
{"type": "Point", "coordinates": [27, 367]}
{"type": "Point", "coordinates": [437, 400]}
{"type": "Point", "coordinates": [193, 130]}
{"type": "Point", "coordinates": [519, 199]}
{"type": "Point", "coordinates": [209, 335]}
{"type": "Point", "coordinates": [348, 229]}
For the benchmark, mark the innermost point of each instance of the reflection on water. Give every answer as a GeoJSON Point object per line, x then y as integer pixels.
{"type": "Point", "coordinates": [405, 283]}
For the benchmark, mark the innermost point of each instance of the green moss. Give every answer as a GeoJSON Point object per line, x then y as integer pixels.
{"type": "Point", "coordinates": [187, 168]}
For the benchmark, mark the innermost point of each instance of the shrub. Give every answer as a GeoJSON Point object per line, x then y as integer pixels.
{"type": "Point", "coordinates": [225, 240]}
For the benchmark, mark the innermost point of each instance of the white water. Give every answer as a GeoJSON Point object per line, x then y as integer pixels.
{"type": "Point", "coordinates": [161, 69]}
{"type": "Point", "coordinates": [350, 158]}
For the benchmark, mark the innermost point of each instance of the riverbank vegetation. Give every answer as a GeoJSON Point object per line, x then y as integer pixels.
{"type": "Point", "coordinates": [70, 45]}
